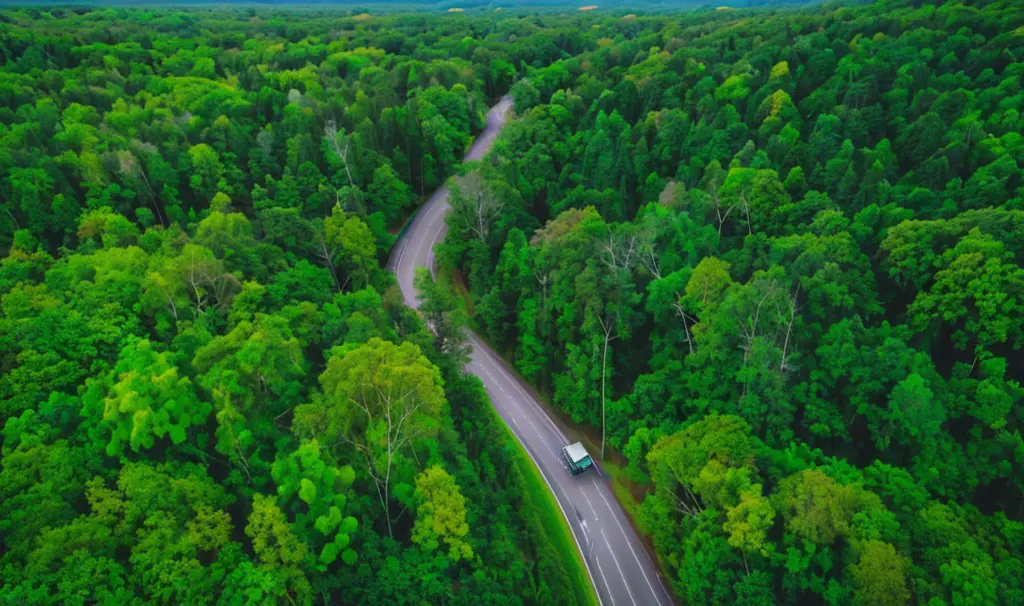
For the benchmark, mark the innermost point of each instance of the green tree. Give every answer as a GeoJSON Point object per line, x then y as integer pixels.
{"type": "Point", "coordinates": [878, 576]}
{"type": "Point", "coordinates": [441, 514]}
{"type": "Point", "coordinates": [815, 507]}
{"type": "Point", "coordinates": [387, 399]}
{"type": "Point", "coordinates": [207, 171]}
{"type": "Point", "coordinates": [346, 246]}
{"type": "Point", "coordinates": [147, 400]}
{"type": "Point", "coordinates": [316, 493]}
{"type": "Point", "coordinates": [444, 313]}
{"type": "Point", "coordinates": [277, 549]}
{"type": "Point", "coordinates": [387, 193]}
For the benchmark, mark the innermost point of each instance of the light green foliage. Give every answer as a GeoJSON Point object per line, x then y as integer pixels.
{"type": "Point", "coordinates": [190, 224]}
{"type": "Point", "coordinates": [386, 401]}
{"type": "Point", "coordinates": [225, 234]}
{"type": "Point", "coordinates": [772, 256]}
{"type": "Point", "coordinates": [878, 576]}
{"type": "Point", "coordinates": [108, 227]}
{"type": "Point", "coordinates": [815, 507]}
{"type": "Point", "coordinates": [711, 458]}
{"type": "Point", "coordinates": [707, 286]}
{"type": "Point", "coordinates": [349, 249]}
{"type": "Point", "coordinates": [828, 257]}
{"type": "Point", "coordinates": [749, 521]}
{"type": "Point", "coordinates": [316, 494]}
{"type": "Point", "coordinates": [277, 548]}
{"type": "Point", "coordinates": [148, 400]}
{"type": "Point", "coordinates": [733, 89]}
{"type": "Point", "coordinates": [207, 170]}
{"type": "Point", "coordinates": [146, 515]}
{"type": "Point", "coordinates": [441, 514]}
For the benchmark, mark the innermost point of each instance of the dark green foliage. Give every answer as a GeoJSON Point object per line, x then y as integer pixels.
{"type": "Point", "coordinates": [195, 207]}
{"type": "Point", "coordinates": [777, 258]}
{"type": "Point", "coordinates": [775, 255]}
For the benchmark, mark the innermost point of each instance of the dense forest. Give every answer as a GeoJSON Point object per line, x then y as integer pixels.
{"type": "Point", "coordinates": [774, 260]}
{"type": "Point", "coordinates": [770, 259]}
{"type": "Point", "coordinates": [210, 390]}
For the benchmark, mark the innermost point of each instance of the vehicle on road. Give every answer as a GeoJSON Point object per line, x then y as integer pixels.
{"type": "Point", "coordinates": [577, 460]}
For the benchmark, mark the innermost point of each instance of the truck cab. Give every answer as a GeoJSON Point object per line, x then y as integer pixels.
{"type": "Point", "coordinates": [577, 460]}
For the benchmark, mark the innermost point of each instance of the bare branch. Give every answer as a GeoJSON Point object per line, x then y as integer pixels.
{"type": "Point", "coordinates": [746, 207]}
{"type": "Point", "coordinates": [476, 203]}
{"type": "Point", "coordinates": [718, 208]}
{"type": "Point", "coordinates": [750, 331]}
{"type": "Point", "coordinates": [325, 254]}
{"type": "Point", "coordinates": [619, 252]}
{"type": "Point", "coordinates": [686, 319]}
{"type": "Point", "coordinates": [789, 327]}
{"type": "Point", "coordinates": [331, 132]}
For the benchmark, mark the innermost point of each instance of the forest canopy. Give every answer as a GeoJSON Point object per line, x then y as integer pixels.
{"type": "Point", "coordinates": [777, 253]}
{"type": "Point", "coordinates": [778, 257]}
{"type": "Point", "coordinates": [198, 342]}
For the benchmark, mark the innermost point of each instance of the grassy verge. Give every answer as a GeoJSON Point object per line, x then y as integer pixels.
{"type": "Point", "coordinates": [623, 487]}
{"type": "Point", "coordinates": [555, 525]}
{"type": "Point", "coordinates": [454, 280]}
{"type": "Point", "coordinates": [627, 492]}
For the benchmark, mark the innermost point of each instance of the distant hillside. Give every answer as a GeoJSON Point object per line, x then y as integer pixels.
{"type": "Point", "coordinates": [356, 7]}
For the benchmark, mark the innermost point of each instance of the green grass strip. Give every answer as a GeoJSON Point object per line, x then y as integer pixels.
{"type": "Point", "coordinates": [552, 517]}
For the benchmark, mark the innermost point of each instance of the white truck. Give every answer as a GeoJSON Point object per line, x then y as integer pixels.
{"type": "Point", "coordinates": [577, 460]}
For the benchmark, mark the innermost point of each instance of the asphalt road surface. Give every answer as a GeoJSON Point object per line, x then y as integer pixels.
{"type": "Point", "coordinates": [620, 568]}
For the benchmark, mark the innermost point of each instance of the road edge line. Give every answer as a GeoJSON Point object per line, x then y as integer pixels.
{"type": "Point", "coordinates": [551, 490]}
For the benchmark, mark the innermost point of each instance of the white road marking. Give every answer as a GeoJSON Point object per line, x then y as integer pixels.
{"type": "Point", "coordinates": [511, 380]}
{"type": "Point", "coordinates": [401, 255]}
{"type": "Point", "coordinates": [604, 580]}
{"type": "Point", "coordinates": [528, 398]}
{"type": "Point", "coordinates": [628, 542]}
{"type": "Point", "coordinates": [616, 560]}
{"type": "Point", "coordinates": [575, 538]}
{"type": "Point", "coordinates": [594, 511]}
{"type": "Point", "coordinates": [528, 420]}
{"type": "Point", "coordinates": [435, 209]}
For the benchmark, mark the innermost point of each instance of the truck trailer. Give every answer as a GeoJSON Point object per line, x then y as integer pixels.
{"type": "Point", "coordinates": [577, 460]}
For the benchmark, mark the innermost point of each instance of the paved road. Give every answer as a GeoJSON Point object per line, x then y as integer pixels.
{"type": "Point", "coordinates": [620, 568]}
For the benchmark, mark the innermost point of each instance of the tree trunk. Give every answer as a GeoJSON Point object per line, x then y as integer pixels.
{"type": "Point", "coordinates": [326, 254]}
{"type": "Point", "coordinates": [387, 475]}
{"type": "Point", "coordinates": [160, 214]}
{"type": "Point", "coordinates": [604, 359]}
{"type": "Point", "coordinates": [174, 308]}
{"type": "Point", "coordinates": [16, 226]}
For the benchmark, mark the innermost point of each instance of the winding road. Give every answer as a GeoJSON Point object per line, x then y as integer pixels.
{"type": "Point", "coordinates": [619, 566]}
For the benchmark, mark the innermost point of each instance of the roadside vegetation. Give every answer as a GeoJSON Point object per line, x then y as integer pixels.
{"type": "Point", "coordinates": [199, 348]}
{"type": "Point", "coordinates": [774, 260]}
{"type": "Point", "coordinates": [770, 258]}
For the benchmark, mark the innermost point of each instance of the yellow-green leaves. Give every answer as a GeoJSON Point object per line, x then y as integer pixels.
{"type": "Point", "coordinates": [815, 507]}
{"type": "Point", "coordinates": [879, 576]}
{"type": "Point", "coordinates": [388, 399]}
{"type": "Point", "coordinates": [749, 521]}
{"type": "Point", "coordinates": [441, 514]}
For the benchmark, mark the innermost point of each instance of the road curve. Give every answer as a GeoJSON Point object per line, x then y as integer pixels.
{"type": "Point", "coordinates": [620, 568]}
